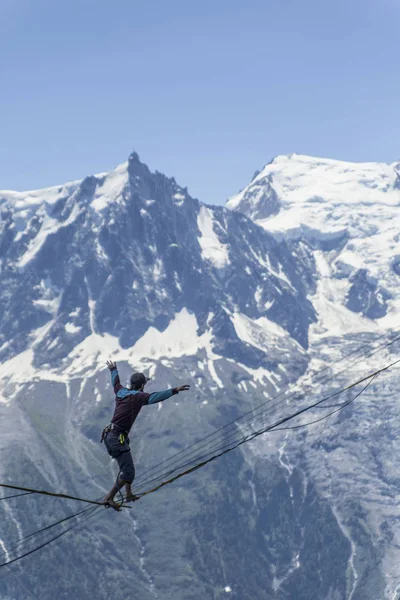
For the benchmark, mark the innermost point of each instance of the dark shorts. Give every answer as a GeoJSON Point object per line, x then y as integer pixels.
{"type": "Point", "coordinates": [122, 454]}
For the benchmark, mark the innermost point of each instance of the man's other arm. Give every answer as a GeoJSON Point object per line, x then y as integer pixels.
{"type": "Point", "coordinates": [164, 395]}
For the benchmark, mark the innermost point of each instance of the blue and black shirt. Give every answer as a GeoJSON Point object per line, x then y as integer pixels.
{"type": "Point", "coordinates": [129, 402]}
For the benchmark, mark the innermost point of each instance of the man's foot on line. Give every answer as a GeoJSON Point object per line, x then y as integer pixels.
{"type": "Point", "coordinates": [110, 502]}
{"type": "Point", "coordinates": [131, 498]}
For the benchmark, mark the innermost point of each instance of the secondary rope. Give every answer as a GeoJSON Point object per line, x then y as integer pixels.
{"type": "Point", "coordinates": [15, 496]}
{"type": "Point", "coordinates": [53, 539]}
{"type": "Point", "coordinates": [39, 532]}
{"type": "Point", "coordinates": [85, 513]}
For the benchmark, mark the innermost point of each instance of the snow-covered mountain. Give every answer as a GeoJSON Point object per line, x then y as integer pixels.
{"type": "Point", "coordinates": [117, 254]}
{"type": "Point", "coordinates": [348, 214]}
{"type": "Point", "coordinates": [241, 301]}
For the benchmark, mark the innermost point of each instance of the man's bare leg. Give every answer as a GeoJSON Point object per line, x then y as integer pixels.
{"type": "Point", "coordinates": [129, 496]}
{"type": "Point", "coordinates": [109, 499]}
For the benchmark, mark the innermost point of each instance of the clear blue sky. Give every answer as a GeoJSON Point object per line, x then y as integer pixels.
{"type": "Point", "coordinates": [206, 91]}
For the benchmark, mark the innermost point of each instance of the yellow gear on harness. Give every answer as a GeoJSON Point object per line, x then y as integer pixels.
{"type": "Point", "coordinates": [121, 438]}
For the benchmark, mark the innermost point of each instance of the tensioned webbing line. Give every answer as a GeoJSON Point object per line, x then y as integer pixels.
{"type": "Point", "coordinates": [54, 494]}
{"type": "Point", "coordinates": [220, 452]}
{"type": "Point", "coordinates": [248, 437]}
{"type": "Point", "coordinates": [253, 435]}
{"type": "Point", "coordinates": [250, 412]}
{"type": "Point", "coordinates": [208, 443]}
{"type": "Point", "coordinates": [250, 415]}
{"type": "Point", "coordinates": [98, 503]}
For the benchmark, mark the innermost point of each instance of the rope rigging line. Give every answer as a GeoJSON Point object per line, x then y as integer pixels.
{"type": "Point", "coordinates": [39, 532]}
{"type": "Point", "coordinates": [88, 512]}
{"type": "Point", "coordinates": [53, 494]}
{"type": "Point", "coordinates": [212, 453]}
{"type": "Point", "coordinates": [253, 435]}
{"type": "Point", "coordinates": [53, 539]}
{"type": "Point", "coordinates": [91, 511]}
{"type": "Point", "coordinates": [250, 415]}
{"type": "Point", "coordinates": [273, 428]}
{"type": "Point", "coordinates": [195, 448]}
{"type": "Point", "coordinates": [338, 408]}
{"type": "Point", "coordinates": [252, 412]}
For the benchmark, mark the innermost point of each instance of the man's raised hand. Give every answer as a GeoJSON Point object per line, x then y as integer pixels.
{"type": "Point", "coordinates": [111, 365]}
{"type": "Point", "coordinates": [183, 388]}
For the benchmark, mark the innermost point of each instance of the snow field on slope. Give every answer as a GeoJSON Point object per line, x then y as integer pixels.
{"type": "Point", "coordinates": [212, 249]}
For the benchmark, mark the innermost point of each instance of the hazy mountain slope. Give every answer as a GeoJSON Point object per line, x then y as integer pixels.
{"type": "Point", "coordinates": [347, 216]}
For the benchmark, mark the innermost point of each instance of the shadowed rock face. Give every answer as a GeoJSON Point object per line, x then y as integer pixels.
{"type": "Point", "coordinates": [365, 297]}
{"type": "Point", "coordinates": [127, 264]}
{"type": "Point", "coordinates": [396, 266]}
{"type": "Point", "coordinates": [262, 200]}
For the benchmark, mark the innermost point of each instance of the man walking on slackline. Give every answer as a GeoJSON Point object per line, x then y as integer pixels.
{"type": "Point", "coordinates": [128, 402]}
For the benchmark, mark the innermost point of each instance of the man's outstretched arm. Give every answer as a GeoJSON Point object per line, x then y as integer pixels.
{"type": "Point", "coordinates": [115, 382]}
{"type": "Point", "coordinates": [160, 396]}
